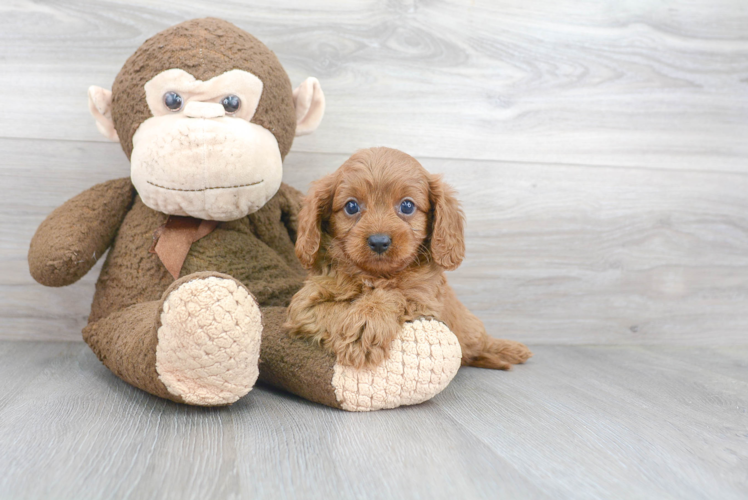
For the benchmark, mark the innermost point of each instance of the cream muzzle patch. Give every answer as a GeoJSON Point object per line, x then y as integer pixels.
{"type": "Point", "coordinates": [199, 160]}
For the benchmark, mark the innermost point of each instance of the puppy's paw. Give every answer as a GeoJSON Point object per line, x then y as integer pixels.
{"type": "Point", "coordinates": [366, 344]}
{"type": "Point", "coordinates": [360, 357]}
{"type": "Point", "coordinates": [367, 332]}
{"type": "Point", "coordinates": [501, 354]}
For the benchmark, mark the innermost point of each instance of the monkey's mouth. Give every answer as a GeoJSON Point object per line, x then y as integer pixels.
{"type": "Point", "coordinates": [206, 188]}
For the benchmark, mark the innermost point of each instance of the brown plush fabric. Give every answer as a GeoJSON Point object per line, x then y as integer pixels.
{"type": "Point", "coordinates": [294, 365]}
{"type": "Point", "coordinates": [131, 274]}
{"type": "Point", "coordinates": [285, 207]}
{"type": "Point", "coordinates": [257, 250]}
{"type": "Point", "coordinates": [204, 48]}
{"type": "Point", "coordinates": [126, 343]}
{"type": "Point", "coordinates": [126, 340]}
{"type": "Point", "coordinates": [251, 249]}
{"type": "Point", "coordinates": [75, 235]}
{"type": "Point", "coordinates": [174, 239]}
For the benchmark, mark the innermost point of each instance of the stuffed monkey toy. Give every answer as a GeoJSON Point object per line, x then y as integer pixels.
{"type": "Point", "coordinates": [192, 296]}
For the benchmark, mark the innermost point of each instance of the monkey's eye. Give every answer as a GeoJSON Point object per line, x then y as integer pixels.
{"type": "Point", "coordinates": [407, 207]}
{"type": "Point", "coordinates": [231, 103]}
{"type": "Point", "coordinates": [173, 101]}
{"type": "Point", "coordinates": [351, 207]}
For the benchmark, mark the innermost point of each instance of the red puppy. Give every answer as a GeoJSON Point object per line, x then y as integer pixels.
{"type": "Point", "coordinates": [377, 235]}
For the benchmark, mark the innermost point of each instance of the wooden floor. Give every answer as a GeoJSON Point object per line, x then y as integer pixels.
{"type": "Point", "coordinates": [579, 422]}
{"type": "Point", "coordinates": [600, 152]}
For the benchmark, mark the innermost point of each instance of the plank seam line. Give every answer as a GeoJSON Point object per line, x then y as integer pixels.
{"type": "Point", "coordinates": [446, 158]}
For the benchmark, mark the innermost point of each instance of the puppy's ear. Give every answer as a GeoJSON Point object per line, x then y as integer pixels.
{"type": "Point", "coordinates": [317, 205]}
{"type": "Point", "coordinates": [447, 232]}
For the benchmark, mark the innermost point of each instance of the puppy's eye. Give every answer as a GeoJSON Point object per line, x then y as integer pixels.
{"type": "Point", "coordinates": [407, 207]}
{"type": "Point", "coordinates": [173, 101]}
{"type": "Point", "coordinates": [351, 207]}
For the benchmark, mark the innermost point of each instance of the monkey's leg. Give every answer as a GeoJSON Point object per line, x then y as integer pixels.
{"type": "Point", "coordinates": [198, 345]}
{"type": "Point", "coordinates": [423, 359]}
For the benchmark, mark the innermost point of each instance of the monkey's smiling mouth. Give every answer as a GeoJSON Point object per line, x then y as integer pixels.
{"type": "Point", "coordinates": [207, 188]}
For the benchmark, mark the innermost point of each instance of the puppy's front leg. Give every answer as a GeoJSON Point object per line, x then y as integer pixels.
{"type": "Point", "coordinates": [314, 311]}
{"type": "Point", "coordinates": [365, 334]}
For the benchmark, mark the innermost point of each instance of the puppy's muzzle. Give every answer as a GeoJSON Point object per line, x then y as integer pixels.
{"type": "Point", "coordinates": [379, 243]}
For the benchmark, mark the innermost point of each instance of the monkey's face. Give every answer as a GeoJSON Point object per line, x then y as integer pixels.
{"type": "Point", "coordinates": [200, 154]}
{"type": "Point", "coordinates": [206, 140]}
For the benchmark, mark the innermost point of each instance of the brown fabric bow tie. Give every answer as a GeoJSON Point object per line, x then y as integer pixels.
{"type": "Point", "coordinates": [172, 241]}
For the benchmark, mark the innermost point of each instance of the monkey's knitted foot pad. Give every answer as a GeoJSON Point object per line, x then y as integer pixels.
{"type": "Point", "coordinates": [422, 362]}
{"type": "Point", "coordinates": [209, 341]}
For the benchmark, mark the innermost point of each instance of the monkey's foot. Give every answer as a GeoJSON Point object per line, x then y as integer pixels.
{"type": "Point", "coordinates": [422, 361]}
{"type": "Point", "coordinates": [209, 341]}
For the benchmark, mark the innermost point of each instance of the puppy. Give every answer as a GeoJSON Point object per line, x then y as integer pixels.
{"type": "Point", "coordinates": [377, 235]}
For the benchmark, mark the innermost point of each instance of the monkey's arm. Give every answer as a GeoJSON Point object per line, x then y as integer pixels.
{"type": "Point", "coordinates": [276, 224]}
{"type": "Point", "coordinates": [291, 201]}
{"type": "Point", "coordinates": [75, 235]}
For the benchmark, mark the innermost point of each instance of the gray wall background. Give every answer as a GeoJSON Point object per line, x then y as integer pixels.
{"type": "Point", "coordinates": [600, 150]}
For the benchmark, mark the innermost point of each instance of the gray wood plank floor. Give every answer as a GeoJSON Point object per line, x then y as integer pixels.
{"type": "Point", "coordinates": [575, 422]}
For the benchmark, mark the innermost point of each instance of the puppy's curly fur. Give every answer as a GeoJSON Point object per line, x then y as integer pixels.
{"type": "Point", "coordinates": [358, 294]}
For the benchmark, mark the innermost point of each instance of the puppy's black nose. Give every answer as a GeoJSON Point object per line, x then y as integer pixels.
{"type": "Point", "coordinates": [379, 243]}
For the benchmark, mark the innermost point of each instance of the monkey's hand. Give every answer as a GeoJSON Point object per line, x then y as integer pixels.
{"type": "Point", "coordinates": [75, 235]}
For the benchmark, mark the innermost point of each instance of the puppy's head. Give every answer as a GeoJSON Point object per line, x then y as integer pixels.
{"type": "Point", "coordinates": [380, 211]}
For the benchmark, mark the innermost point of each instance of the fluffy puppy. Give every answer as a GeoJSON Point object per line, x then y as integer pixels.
{"type": "Point", "coordinates": [377, 235]}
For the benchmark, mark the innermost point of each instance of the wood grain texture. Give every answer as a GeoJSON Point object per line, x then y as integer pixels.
{"type": "Point", "coordinates": [599, 151]}
{"type": "Point", "coordinates": [555, 253]}
{"type": "Point", "coordinates": [632, 83]}
{"type": "Point", "coordinates": [575, 422]}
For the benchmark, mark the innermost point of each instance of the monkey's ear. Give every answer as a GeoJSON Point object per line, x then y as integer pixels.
{"type": "Point", "coordinates": [100, 106]}
{"type": "Point", "coordinates": [309, 102]}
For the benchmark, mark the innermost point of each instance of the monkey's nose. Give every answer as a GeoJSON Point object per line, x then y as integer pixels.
{"type": "Point", "coordinates": [379, 243]}
{"type": "Point", "coordinates": [197, 109]}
